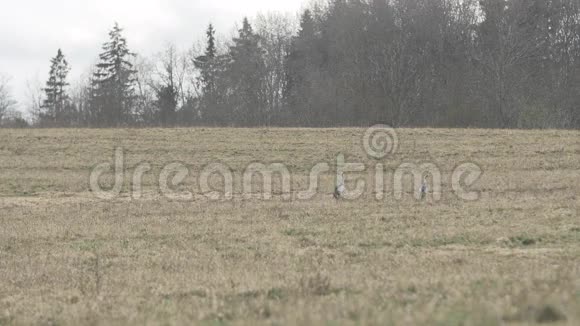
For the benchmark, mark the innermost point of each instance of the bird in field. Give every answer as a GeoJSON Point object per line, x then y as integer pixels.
{"type": "Point", "coordinates": [424, 188]}
{"type": "Point", "coordinates": [340, 188]}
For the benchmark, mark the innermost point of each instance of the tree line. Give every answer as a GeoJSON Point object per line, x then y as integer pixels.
{"type": "Point", "coordinates": [436, 63]}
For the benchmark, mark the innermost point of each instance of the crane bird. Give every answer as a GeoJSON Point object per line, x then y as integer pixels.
{"type": "Point", "coordinates": [424, 188]}
{"type": "Point", "coordinates": [340, 188]}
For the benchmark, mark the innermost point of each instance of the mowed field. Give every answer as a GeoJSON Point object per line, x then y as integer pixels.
{"type": "Point", "coordinates": [70, 258]}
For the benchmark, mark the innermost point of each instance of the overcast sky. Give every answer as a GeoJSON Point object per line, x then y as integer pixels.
{"type": "Point", "coordinates": [31, 31]}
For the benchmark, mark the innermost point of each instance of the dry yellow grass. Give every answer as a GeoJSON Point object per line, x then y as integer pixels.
{"type": "Point", "coordinates": [68, 258]}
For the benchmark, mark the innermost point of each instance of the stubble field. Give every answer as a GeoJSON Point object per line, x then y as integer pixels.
{"type": "Point", "coordinates": [70, 258]}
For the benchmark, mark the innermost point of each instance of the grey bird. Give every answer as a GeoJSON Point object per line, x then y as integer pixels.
{"type": "Point", "coordinates": [424, 188]}
{"type": "Point", "coordinates": [340, 188]}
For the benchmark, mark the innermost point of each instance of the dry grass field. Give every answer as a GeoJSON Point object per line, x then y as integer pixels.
{"type": "Point", "coordinates": [70, 258]}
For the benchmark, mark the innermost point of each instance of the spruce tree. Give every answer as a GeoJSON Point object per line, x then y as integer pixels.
{"type": "Point", "coordinates": [206, 62]}
{"type": "Point", "coordinates": [211, 50]}
{"type": "Point", "coordinates": [209, 66]}
{"type": "Point", "coordinates": [113, 82]}
{"type": "Point", "coordinates": [167, 104]}
{"type": "Point", "coordinates": [303, 65]}
{"type": "Point", "coordinates": [245, 74]}
{"type": "Point", "coordinates": [56, 99]}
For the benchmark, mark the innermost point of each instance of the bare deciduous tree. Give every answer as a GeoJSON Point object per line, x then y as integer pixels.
{"type": "Point", "coordinates": [6, 101]}
{"type": "Point", "coordinates": [275, 31]}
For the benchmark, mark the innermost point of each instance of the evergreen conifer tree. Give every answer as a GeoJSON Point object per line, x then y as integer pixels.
{"type": "Point", "coordinates": [113, 82]}
{"type": "Point", "coordinates": [56, 99]}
